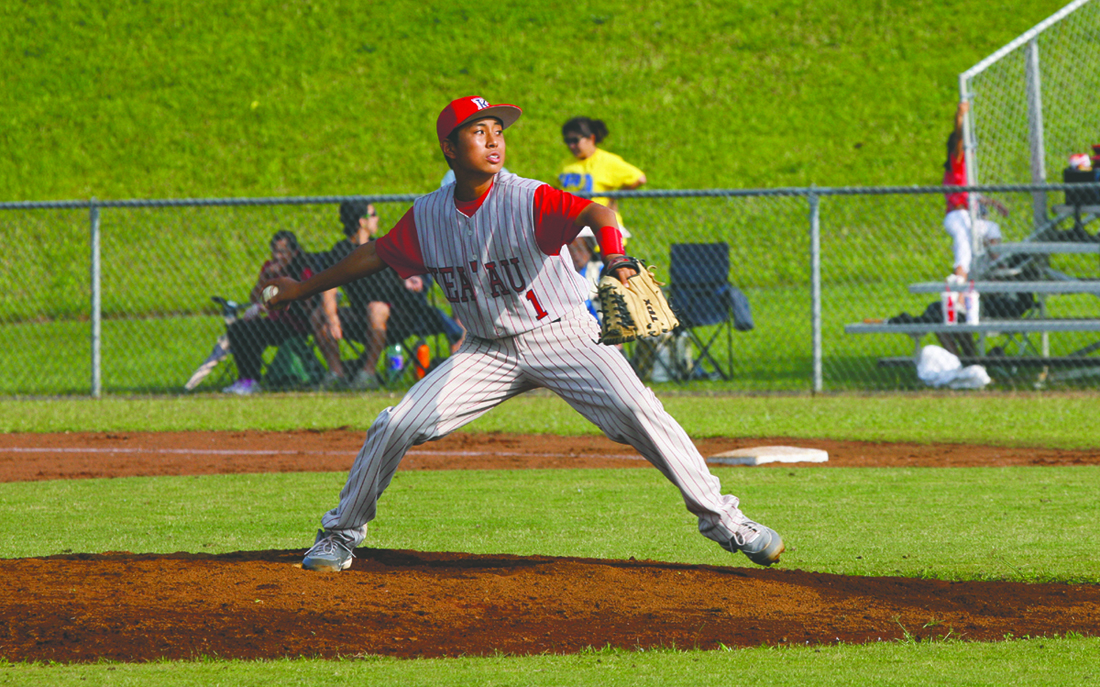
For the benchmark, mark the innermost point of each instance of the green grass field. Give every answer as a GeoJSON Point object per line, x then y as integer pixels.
{"type": "Point", "coordinates": [899, 522]}
{"type": "Point", "coordinates": [1027, 524]}
{"type": "Point", "coordinates": [1065, 420]}
{"type": "Point", "coordinates": [1046, 661]}
{"type": "Point", "coordinates": [158, 99]}
{"type": "Point", "coordinates": [142, 113]}
{"type": "Point", "coordinates": [166, 100]}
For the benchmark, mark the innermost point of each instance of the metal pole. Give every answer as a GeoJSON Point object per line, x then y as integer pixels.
{"type": "Point", "coordinates": [815, 285]}
{"type": "Point", "coordinates": [1035, 132]}
{"type": "Point", "coordinates": [97, 380]}
{"type": "Point", "coordinates": [1038, 163]}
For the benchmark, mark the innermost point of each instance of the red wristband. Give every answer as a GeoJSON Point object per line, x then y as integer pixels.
{"type": "Point", "coordinates": [611, 240]}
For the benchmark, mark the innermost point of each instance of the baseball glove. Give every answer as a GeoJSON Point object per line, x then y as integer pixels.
{"type": "Point", "coordinates": [633, 310]}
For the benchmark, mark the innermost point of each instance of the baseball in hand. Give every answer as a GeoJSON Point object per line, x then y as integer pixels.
{"type": "Point", "coordinates": [269, 293]}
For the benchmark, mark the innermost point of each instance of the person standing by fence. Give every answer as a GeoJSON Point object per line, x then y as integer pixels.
{"type": "Point", "coordinates": [594, 169]}
{"type": "Point", "coordinates": [957, 222]}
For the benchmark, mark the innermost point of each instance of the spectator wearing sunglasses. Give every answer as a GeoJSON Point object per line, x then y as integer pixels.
{"type": "Point", "coordinates": [593, 169]}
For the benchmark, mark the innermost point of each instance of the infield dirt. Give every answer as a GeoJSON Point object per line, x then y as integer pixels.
{"type": "Point", "coordinates": [137, 607]}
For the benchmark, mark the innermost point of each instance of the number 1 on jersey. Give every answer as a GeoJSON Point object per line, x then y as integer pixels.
{"type": "Point", "coordinates": [539, 312]}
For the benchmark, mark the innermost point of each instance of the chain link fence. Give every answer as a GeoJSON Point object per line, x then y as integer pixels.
{"type": "Point", "coordinates": [1033, 102]}
{"type": "Point", "coordinates": [117, 297]}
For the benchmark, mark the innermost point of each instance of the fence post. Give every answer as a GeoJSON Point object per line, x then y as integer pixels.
{"type": "Point", "coordinates": [815, 284]}
{"type": "Point", "coordinates": [1035, 132]}
{"type": "Point", "coordinates": [97, 380]}
{"type": "Point", "coordinates": [970, 159]}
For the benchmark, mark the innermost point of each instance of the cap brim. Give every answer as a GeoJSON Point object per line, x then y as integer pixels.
{"type": "Point", "coordinates": [507, 114]}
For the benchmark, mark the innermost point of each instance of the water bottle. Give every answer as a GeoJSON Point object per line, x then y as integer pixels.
{"type": "Point", "coordinates": [973, 303]}
{"type": "Point", "coordinates": [395, 362]}
{"type": "Point", "coordinates": [950, 301]}
{"type": "Point", "coordinates": [423, 359]}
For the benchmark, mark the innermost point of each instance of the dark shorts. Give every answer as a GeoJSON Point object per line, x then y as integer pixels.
{"type": "Point", "coordinates": [402, 324]}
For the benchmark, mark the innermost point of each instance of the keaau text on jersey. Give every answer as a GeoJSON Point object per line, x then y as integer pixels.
{"type": "Point", "coordinates": [459, 288]}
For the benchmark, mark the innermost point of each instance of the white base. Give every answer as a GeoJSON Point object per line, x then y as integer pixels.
{"type": "Point", "coordinates": [770, 454]}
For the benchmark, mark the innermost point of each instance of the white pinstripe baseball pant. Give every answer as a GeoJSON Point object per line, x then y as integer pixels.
{"type": "Point", "coordinates": [564, 357]}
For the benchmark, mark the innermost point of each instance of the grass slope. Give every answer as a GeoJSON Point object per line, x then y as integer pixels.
{"type": "Point", "coordinates": [257, 98]}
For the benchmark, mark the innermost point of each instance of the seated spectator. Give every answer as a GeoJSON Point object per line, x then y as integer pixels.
{"type": "Point", "coordinates": [382, 308]}
{"type": "Point", "coordinates": [257, 329]}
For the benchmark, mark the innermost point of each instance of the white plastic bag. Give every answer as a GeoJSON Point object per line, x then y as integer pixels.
{"type": "Point", "coordinates": [939, 367]}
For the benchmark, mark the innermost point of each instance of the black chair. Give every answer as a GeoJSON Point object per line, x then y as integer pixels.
{"type": "Point", "coordinates": [701, 296]}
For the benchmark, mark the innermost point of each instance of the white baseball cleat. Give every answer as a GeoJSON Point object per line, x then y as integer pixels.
{"type": "Point", "coordinates": [330, 553]}
{"type": "Point", "coordinates": [760, 543]}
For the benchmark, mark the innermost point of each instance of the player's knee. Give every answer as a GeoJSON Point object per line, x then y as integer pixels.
{"type": "Point", "coordinates": [633, 409]}
{"type": "Point", "coordinates": [412, 421]}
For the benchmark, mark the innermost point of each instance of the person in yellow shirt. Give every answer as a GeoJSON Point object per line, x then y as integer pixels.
{"type": "Point", "coordinates": [593, 169]}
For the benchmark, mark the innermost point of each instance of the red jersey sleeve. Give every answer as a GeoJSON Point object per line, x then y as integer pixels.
{"type": "Point", "coordinates": [555, 213]}
{"type": "Point", "coordinates": [400, 248]}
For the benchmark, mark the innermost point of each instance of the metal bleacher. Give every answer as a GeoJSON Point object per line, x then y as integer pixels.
{"type": "Point", "coordinates": [1022, 267]}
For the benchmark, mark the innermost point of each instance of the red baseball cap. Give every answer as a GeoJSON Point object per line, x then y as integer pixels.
{"type": "Point", "coordinates": [464, 110]}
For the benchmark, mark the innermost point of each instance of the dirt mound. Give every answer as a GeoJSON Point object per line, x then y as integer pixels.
{"type": "Point", "coordinates": [134, 607]}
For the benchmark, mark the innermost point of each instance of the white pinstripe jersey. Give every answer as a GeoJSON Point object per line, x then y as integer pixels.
{"type": "Point", "coordinates": [490, 267]}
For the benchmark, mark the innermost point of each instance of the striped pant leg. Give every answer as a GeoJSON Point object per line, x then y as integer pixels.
{"type": "Point", "coordinates": [478, 377]}
{"type": "Point", "coordinates": [957, 225]}
{"type": "Point", "coordinates": [598, 382]}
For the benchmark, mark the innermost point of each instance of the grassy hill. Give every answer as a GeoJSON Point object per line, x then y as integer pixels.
{"type": "Point", "coordinates": [253, 98]}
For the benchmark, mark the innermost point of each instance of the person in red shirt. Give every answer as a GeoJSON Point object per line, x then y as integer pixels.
{"type": "Point", "coordinates": [498, 246]}
{"type": "Point", "coordinates": [957, 222]}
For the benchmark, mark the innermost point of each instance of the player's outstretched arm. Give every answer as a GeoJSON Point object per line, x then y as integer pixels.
{"type": "Point", "coordinates": [359, 263]}
{"type": "Point", "coordinates": [957, 134]}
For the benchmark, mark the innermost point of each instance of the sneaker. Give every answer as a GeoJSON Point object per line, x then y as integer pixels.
{"type": "Point", "coordinates": [364, 381]}
{"type": "Point", "coordinates": [761, 544]}
{"type": "Point", "coordinates": [243, 387]}
{"type": "Point", "coordinates": [329, 553]}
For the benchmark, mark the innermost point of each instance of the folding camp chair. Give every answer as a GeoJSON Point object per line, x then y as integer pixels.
{"type": "Point", "coordinates": [701, 295]}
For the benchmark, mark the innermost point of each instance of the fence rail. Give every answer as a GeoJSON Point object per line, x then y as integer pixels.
{"type": "Point", "coordinates": [114, 296]}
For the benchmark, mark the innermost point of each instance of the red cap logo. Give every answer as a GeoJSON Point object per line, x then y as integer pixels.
{"type": "Point", "coordinates": [464, 110]}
